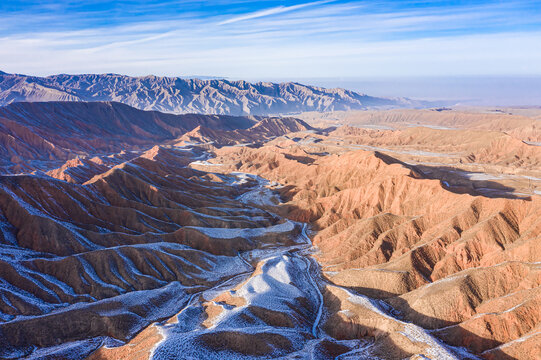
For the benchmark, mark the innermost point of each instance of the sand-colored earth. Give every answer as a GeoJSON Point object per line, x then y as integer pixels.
{"type": "Point", "coordinates": [275, 240]}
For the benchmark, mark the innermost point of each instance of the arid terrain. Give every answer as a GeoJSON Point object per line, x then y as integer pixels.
{"type": "Point", "coordinates": [390, 234]}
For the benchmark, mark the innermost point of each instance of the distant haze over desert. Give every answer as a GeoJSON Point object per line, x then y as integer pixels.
{"type": "Point", "coordinates": [235, 180]}
{"type": "Point", "coordinates": [464, 90]}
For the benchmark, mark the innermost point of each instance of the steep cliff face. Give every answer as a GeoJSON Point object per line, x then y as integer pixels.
{"type": "Point", "coordinates": [179, 95]}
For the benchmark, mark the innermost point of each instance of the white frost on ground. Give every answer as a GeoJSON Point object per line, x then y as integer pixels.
{"type": "Point", "coordinates": [231, 233]}
{"type": "Point", "coordinates": [261, 194]}
{"type": "Point", "coordinates": [435, 349]}
{"type": "Point", "coordinates": [282, 279]}
{"type": "Point", "coordinates": [284, 276]}
{"type": "Point", "coordinates": [204, 163]}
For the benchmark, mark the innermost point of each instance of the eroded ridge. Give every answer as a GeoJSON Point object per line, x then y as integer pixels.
{"type": "Point", "coordinates": [465, 267]}
{"type": "Point", "coordinates": [202, 247]}
{"type": "Point", "coordinates": [155, 259]}
{"type": "Point", "coordinates": [103, 260]}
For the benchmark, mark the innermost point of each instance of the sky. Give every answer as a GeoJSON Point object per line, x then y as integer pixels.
{"type": "Point", "coordinates": [267, 39]}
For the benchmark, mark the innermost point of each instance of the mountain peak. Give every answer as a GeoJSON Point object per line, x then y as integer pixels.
{"type": "Point", "coordinates": [202, 96]}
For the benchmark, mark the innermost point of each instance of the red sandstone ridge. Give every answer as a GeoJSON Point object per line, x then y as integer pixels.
{"type": "Point", "coordinates": [44, 135]}
{"type": "Point", "coordinates": [78, 170]}
{"type": "Point", "coordinates": [180, 244]}
{"type": "Point", "coordinates": [125, 247]}
{"type": "Point", "coordinates": [464, 146]}
{"type": "Point", "coordinates": [462, 266]}
{"type": "Point", "coordinates": [523, 127]}
{"type": "Point", "coordinates": [265, 130]}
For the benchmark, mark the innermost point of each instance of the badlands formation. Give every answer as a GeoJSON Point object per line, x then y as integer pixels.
{"type": "Point", "coordinates": [356, 235]}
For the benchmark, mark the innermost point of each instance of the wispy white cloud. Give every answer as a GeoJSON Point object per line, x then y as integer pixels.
{"type": "Point", "coordinates": [316, 39]}
{"type": "Point", "coordinates": [271, 11]}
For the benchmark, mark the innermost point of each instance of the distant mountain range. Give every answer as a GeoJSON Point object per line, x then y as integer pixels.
{"type": "Point", "coordinates": [180, 95]}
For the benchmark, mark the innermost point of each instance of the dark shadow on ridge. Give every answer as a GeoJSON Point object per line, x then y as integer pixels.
{"type": "Point", "coordinates": [454, 180]}
{"type": "Point", "coordinates": [341, 330]}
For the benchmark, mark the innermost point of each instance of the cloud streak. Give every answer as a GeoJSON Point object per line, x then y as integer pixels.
{"type": "Point", "coordinates": [311, 39]}
{"type": "Point", "coordinates": [272, 11]}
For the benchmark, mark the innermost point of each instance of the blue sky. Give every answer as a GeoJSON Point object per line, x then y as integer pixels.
{"type": "Point", "coordinates": [272, 39]}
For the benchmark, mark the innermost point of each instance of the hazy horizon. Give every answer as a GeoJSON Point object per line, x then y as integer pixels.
{"type": "Point", "coordinates": [474, 90]}
{"type": "Point", "coordinates": [452, 90]}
